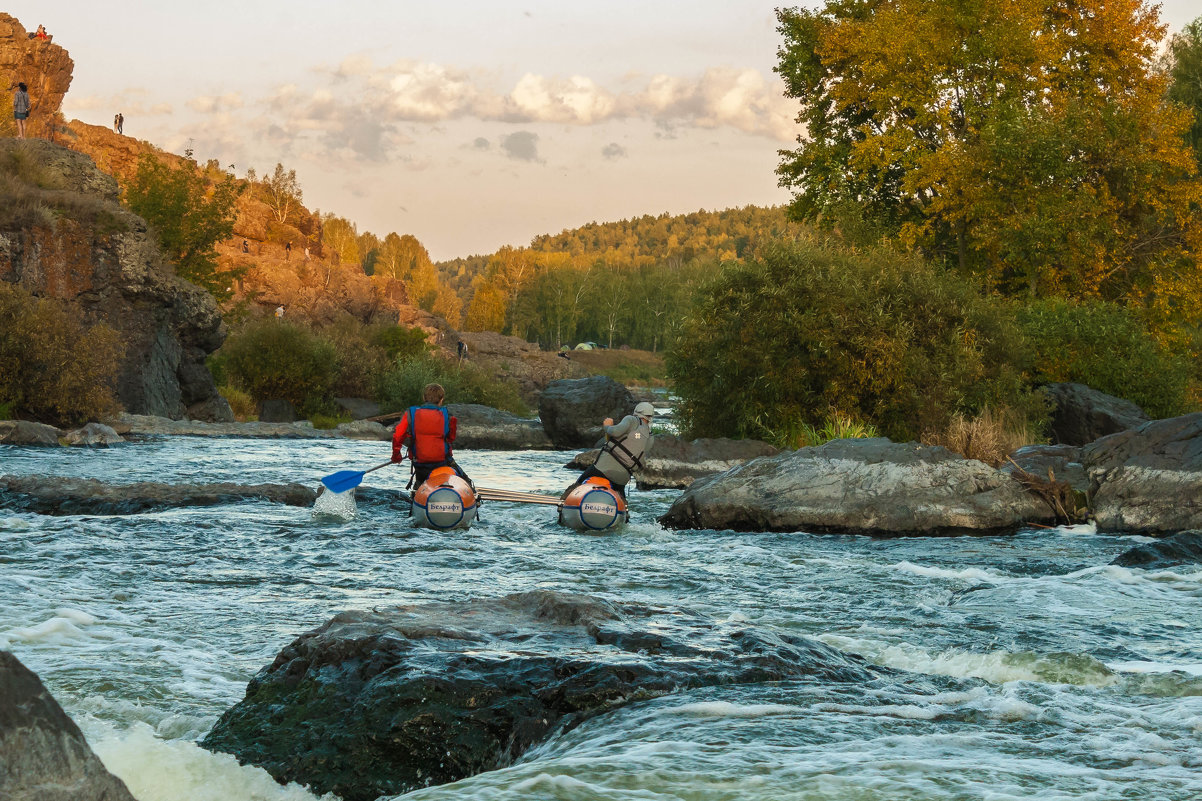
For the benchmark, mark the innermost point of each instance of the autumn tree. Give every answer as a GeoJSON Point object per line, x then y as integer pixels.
{"type": "Point", "coordinates": [1029, 143]}
{"type": "Point", "coordinates": [1185, 68]}
{"type": "Point", "coordinates": [487, 310]}
{"type": "Point", "coordinates": [190, 210]}
{"type": "Point", "coordinates": [282, 193]}
{"type": "Point", "coordinates": [341, 236]}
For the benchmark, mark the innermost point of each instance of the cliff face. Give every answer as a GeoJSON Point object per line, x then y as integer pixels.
{"type": "Point", "coordinates": [90, 250]}
{"type": "Point", "coordinates": [40, 64]}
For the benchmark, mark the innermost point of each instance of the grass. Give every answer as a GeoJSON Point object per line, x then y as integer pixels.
{"type": "Point", "coordinates": [989, 437]}
{"type": "Point", "coordinates": [630, 367]}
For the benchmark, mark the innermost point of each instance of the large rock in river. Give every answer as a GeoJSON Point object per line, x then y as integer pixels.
{"type": "Point", "coordinates": [485, 428]}
{"type": "Point", "coordinates": [1081, 414]}
{"type": "Point", "coordinates": [1183, 548]}
{"type": "Point", "coordinates": [1148, 480]}
{"type": "Point", "coordinates": [24, 432]}
{"type": "Point", "coordinates": [860, 486]}
{"type": "Point", "coordinates": [572, 409]}
{"type": "Point", "coordinates": [43, 754]}
{"type": "Point", "coordinates": [675, 463]}
{"type": "Point", "coordinates": [380, 703]}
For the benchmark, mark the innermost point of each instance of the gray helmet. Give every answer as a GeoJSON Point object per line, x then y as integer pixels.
{"type": "Point", "coordinates": [645, 409]}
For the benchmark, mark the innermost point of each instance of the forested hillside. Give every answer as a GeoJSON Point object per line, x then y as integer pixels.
{"type": "Point", "coordinates": [619, 283]}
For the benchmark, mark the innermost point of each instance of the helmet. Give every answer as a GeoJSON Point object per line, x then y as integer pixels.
{"type": "Point", "coordinates": [645, 409]}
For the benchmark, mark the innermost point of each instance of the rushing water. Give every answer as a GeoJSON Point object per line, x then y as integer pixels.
{"type": "Point", "coordinates": [1033, 669]}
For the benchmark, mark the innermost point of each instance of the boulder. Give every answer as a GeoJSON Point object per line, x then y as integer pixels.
{"type": "Point", "coordinates": [23, 432]}
{"type": "Point", "coordinates": [43, 754]}
{"type": "Point", "coordinates": [1148, 480]}
{"type": "Point", "coordinates": [1183, 548]}
{"type": "Point", "coordinates": [358, 408]}
{"type": "Point", "coordinates": [277, 411]}
{"type": "Point", "coordinates": [572, 409]}
{"type": "Point", "coordinates": [93, 435]}
{"type": "Point", "coordinates": [87, 496]}
{"type": "Point", "coordinates": [860, 486]}
{"type": "Point", "coordinates": [1081, 414]}
{"type": "Point", "coordinates": [675, 463]}
{"type": "Point", "coordinates": [213, 410]}
{"type": "Point", "coordinates": [383, 702]}
{"type": "Point", "coordinates": [140, 425]}
{"type": "Point", "coordinates": [485, 428]}
{"type": "Point", "coordinates": [363, 429]}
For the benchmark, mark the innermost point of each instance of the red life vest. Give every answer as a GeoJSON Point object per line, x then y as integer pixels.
{"type": "Point", "coordinates": [428, 432]}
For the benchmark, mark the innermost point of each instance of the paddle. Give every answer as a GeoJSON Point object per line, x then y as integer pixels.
{"type": "Point", "coordinates": [344, 480]}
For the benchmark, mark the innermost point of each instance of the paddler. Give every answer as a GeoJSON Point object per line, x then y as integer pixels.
{"type": "Point", "coordinates": [427, 432]}
{"type": "Point", "coordinates": [622, 453]}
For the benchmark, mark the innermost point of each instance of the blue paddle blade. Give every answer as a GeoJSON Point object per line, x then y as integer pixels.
{"type": "Point", "coordinates": [343, 480]}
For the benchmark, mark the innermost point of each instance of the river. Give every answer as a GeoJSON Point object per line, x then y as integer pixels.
{"type": "Point", "coordinates": [1032, 668]}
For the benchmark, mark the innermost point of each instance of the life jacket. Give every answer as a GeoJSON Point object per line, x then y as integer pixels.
{"type": "Point", "coordinates": [622, 454]}
{"type": "Point", "coordinates": [429, 434]}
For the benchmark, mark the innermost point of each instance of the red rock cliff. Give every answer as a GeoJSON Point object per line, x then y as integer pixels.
{"type": "Point", "coordinates": [42, 66]}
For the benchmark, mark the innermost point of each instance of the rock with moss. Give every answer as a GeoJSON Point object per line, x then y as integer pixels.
{"type": "Point", "coordinates": [384, 702]}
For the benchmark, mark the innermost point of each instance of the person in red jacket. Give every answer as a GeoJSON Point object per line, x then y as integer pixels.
{"type": "Point", "coordinates": [427, 431]}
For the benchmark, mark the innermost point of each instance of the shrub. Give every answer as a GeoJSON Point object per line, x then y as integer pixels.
{"type": "Point", "coordinates": [275, 359]}
{"type": "Point", "coordinates": [1108, 348]}
{"type": "Point", "coordinates": [241, 403]}
{"type": "Point", "coordinates": [401, 343]}
{"type": "Point", "coordinates": [53, 367]}
{"type": "Point", "coordinates": [838, 426]}
{"type": "Point", "coordinates": [778, 342]}
{"type": "Point", "coordinates": [328, 421]}
{"type": "Point", "coordinates": [360, 362]}
{"type": "Point", "coordinates": [989, 437]}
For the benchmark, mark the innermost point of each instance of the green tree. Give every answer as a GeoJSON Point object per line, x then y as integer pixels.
{"type": "Point", "coordinates": [1185, 68]}
{"type": "Point", "coordinates": [190, 212]}
{"type": "Point", "coordinates": [1026, 142]}
{"type": "Point", "coordinates": [342, 237]}
{"type": "Point", "coordinates": [282, 193]}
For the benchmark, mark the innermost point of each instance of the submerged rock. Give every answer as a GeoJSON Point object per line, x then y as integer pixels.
{"type": "Point", "coordinates": [860, 486]}
{"type": "Point", "coordinates": [23, 432]}
{"type": "Point", "coordinates": [486, 428]}
{"type": "Point", "coordinates": [43, 754]}
{"type": "Point", "coordinates": [1148, 480]}
{"type": "Point", "coordinates": [1081, 414]}
{"type": "Point", "coordinates": [1184, 548]}
{"type": "Point", "coordinates": [572, 409]}
{"type": "Point", "coordinates": [384, 702]}
{"type": "Point", "coordinates": [84, 496]}
{"type": "Point", "coordinates": [93, 435]}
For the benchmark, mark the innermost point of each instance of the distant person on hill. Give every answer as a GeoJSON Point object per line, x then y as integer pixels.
{"type": "Point", "coordinates": [21, 107]}
{"type": "Point", "coordinates": [306, 254]}
{"type": "Point", "coordinates": [288, 250]}
{"type": "Point", "coordinates": [119, 123]}
{"type": "Point", "coordinates": [622, 453]}
{"type": "Point", "coordinates": [245, 246]}
{"type": "Point", "coordinates": [279, 311]}
{"type": "Point", "coordinates": [462, 350]}
{"type": "Point", "coordinates": [427, 431]}
{"type": "Point", "coordinates": [41, 34]}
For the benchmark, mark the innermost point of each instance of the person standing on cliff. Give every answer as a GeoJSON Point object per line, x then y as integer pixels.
{"type": "Point", "coordinates": [288, 250]}
{"type": "Point", "coordinates": [119, 122]}
{"type": "Point", "coordinates": [21, 107]}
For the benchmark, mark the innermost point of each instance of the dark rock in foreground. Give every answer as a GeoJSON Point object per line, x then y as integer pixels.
{"type": "Point", "coordinates": [1081, 414]}
{"type": "Point", "coordinates": [380, 703]}
{"type": "Point", "coordinates": [84, 496]}
{"type": "Point", "coordinates": [860, 486]}
{"type": "Point", "coordinates": [43, 754]}
{"type": "Point", "coordinates": [1184, 548]}
{"type": "Point", "coordinates": [1148, 480]}
{"type": "Point", "coordinates": [572, 409]}
{"type": "Point", "coordinates": [486, 428]}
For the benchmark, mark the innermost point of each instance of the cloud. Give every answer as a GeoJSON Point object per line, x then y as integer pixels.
{"type": "Point", "coordinates": [613, 151]}
{"type": "Point", "coordinates": [208, 105]}
{"type": "Point", "coordinates": [480, 143]}
{"type": "Point", "coordinates": [135, 102]}
{"type": "Point", "coordinates": [521, 145]}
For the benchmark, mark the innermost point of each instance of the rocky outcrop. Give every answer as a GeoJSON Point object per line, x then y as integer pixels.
{"type": "Point", "coordinates": [572, 409]}
{"type": "Point", "coordinates": [485, 428]}
{"type": "Point", "coordinates": [140, 425]}
{"type": "Point", "coordinates": [1183, 548]}
{"type": "Point", "coordinates": [22, 432]}
{"type": "Point", "coordinates": [43, 754]}
{"type": "Point", "coordinates": [44, 67]}
{"type": "Point", "coordinates": [384, 702]}
{"type": "Point", "coordinates": [860, 486]}
{"type": "Point", "coordinates": [513, 359]}
{"type": "Point", "coordinates": [109, 265]}
{"type": "Point", "coordinates": [1081, 414]}
{"type": "Point", "coordinates": [93, 435]}
{"type": "Point", "coordinates": [675, 463]}
{"type": "Point", "coordinates": [58, 495]}
{"type": "Point", "coordinates": [358, 408]}
{"type": "Point", "coordinates": [363, 429]}
{"type": "Point", "coordinates": [1148, 480]}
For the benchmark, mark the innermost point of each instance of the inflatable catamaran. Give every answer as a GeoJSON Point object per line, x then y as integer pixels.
{"type": "Point", "coordinates": [444, 501]}
{"type": "Point", "coordinates": [593, 506]}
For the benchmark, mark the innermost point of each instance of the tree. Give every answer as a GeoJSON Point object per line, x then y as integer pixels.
{"type": "Point", "coordinates": [282, 192]}
{"type": "Point", "coordinates": [342, 236]}
{"type": "Point", "coordinates": [1026, 142]}
{"type": "Point", "coordinates": [486, 312]}
{"type": "Point", "coordinates": [1185, 68]}
{"type": "Point", "coordinates": [190, 213]}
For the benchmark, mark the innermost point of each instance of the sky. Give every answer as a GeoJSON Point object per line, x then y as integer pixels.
{"type": "Point", "coordinates": [470, 124]}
